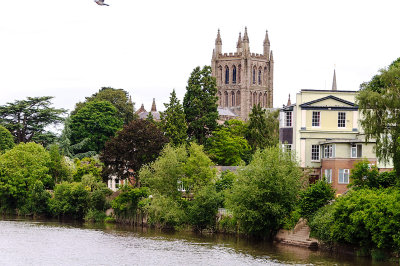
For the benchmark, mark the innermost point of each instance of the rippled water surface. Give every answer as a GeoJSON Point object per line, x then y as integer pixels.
{"type": "Point", "coordinates": [27, 242]}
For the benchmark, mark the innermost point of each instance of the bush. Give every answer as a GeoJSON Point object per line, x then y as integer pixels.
{"type": "Point", "coordinates": [71, 200]}
{"type": "Point", "coordinates": [203, 209]}
{"type": "Point", "coordinates": [126, 204]}
{"type": "Point", "coordinates": [6, 140]}
{"type": "Point", "coordinates": [165, 212]}
{"type": "Point", "coordinates": [314, 197]}
{"type": "Point", "coordinates": [265, 192]}
{"type": "Point", "coordinates": [87, 166]}
{"type": "Point", "coordinates": [94, 215]}
{"type": "Point", "coordinates": [365, 175]}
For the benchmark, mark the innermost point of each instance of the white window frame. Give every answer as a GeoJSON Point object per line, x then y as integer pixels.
{"type": "Point", "coordinates": [328, 176]}
{"type": "Point", "coordinates": [357, 149]}
{"type": "Point", "coordinates": [314, 122]}
{"type": "Point", "coordinates": [315, 150]}
{"type": "Point", "coordinates": [341, 120]}
{"type": "Point", "coordinates": [344, 176]}
{"type": "Point", "coordinates": [288, 119]}
{"type": "Point", "coordinates": [328, 151]}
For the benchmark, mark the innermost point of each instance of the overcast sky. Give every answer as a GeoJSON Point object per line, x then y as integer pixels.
{"type": "Point", "coordinates": [71, 48]}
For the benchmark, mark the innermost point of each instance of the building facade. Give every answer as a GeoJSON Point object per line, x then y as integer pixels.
{"type": "Point", "coordinates": [244, 79]}
{"type": "Point", "coordinates": [324, 132]}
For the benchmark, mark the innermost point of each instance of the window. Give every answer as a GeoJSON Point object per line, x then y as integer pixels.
{"type": "Point", "coordinates": [233, 98]}
{"type": "Point", "coordinates": [356, 150]}
{"type": "Point", "coordinates": [314, 152]}
{"type": "Point", "coordinates": [254, 76]}
{"type": "Point", "coordinates": [226, 75]}
{"type": "Point", "coordinates": [234, 75]}
{"type": "Point", "coordinates": [344, 176]}
{"type": "Point", "coordinates": [259, 77]}
{"type": "Point", "coordinates": [287, 147]}
{"type": "Point", "coordinates": [288, 119]}
{"type": "Point", "coordinates": [316, 119]}
{"type": "Point", "coordinates": [328, 175]}
{"type": "Point", "coordinates": [341, 119]}
{"type": "Point", "coordinates": [226, 99]}
{"type": "Point", "coordinates": [116, 183]}
{"type": "Point", "coordinates": [328, 151]}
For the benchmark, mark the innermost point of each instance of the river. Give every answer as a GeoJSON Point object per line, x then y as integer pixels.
{"type": "Point", "coordinates": [30, 242]}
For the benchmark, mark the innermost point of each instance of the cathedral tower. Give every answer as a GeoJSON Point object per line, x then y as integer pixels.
{"type": "Point", "coordinates": [244, 79]}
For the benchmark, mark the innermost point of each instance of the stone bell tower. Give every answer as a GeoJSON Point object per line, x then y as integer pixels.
{"type": "Point", "coordinates": [244, 79]}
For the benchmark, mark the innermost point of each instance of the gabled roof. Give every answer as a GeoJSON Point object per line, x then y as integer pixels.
{"type": "Point", "coordinates": [313, 105]}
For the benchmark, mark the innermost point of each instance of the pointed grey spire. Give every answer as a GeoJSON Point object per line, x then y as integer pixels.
{"type": "Point", "coordinates": [245, 37]}
{"type": "Point", "coordinates": [218, 40]}
{"type": "Point", "coordinates": [289, 103]}
{"type": "Point", "coordinates": [153, 106]}
{"type": "Point", "coordinates": [271, 57]}
{"type": "Point", "coordinates": [266, 40]}
{"type": "Point", "coordinates": [334, 86]}
{"type": "Point", "coordinates": [239, 42]}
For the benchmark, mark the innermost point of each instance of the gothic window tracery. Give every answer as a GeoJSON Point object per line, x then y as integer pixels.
{"type": "Point", "coordinates": [226, 99]}
{"type": "Point", "coordinates": [219, 98]}
{"type": "Point", "coordinates": [233, 98]}
{"type": "Point", "coordinates": [239, 73]}
{"type": "Point", "coordinates": [254, 75]}
{"type": "Point", "coordinates": [238, 98]}
{"type": "Point", "coordinates": [259, 76]}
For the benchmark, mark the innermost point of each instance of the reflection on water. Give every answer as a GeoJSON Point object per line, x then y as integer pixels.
{"type": "Point", "coordinates": [28, 242]}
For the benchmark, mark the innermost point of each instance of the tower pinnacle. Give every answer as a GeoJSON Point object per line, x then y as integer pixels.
{"type": "Point", "coordinates": [334, 86]}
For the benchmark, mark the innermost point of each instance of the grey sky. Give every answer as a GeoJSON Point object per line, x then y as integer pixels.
{"type": "Point", "coordinates": [69, 49]}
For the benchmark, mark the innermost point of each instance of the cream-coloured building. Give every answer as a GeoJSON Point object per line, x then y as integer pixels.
{"type": "Point", "coordinates": [323, 130]}
{"type": "Point", "coordinates": [244, 79]}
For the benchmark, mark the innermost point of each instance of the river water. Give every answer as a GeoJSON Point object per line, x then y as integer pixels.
{"type": "Point", "coordinates": [30, 242]}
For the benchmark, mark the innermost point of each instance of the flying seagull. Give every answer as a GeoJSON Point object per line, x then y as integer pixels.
{"type": "Point", "coordinates": [100, 2]}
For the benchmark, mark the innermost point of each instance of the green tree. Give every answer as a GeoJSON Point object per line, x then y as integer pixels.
{"type": "Point", "coordinates": [136, 144]}
{"type": "Point", "coordinates": [314, 197]}
{"type": "Point", "coordinates": [365, 175]}
{"type": "Point", "coordinates": [178, 167]}
{"type": "Point", "coordinates": [119, 98]}
{"type": "Point", "coordinates": [28, 119]}
{"type": "Point", "coordinates": [173, 120]}
{"type": "Point", "coordinates": [6, 140]}
{"type": "Point", "coordinates": [200, 104]}
{"type": "Point", "coordinates": [379, 105]}
{"type": "Point", "coordinates": [97, 121]}
{"type": "Point", "coordinates": [20, 168]}
{"type": "Point", "coordinates": [227, 145]}
{"type": "Point", "coordinates": [265, 192]}
{"type": "Point", "coordinates": [88, 166]}
{"type": "Point", "coordinates": [263, 128]}
{"type": "Point", "coordinates": [59, 169]}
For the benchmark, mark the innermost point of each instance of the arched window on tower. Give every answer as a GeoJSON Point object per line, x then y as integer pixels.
{"type": "Point", "coordinates": [219, 98]}
{"type": "Point", "coordinates": [254, 75]}
{"type": "Point", "coordinates": [220, 74]}
{"type": "Point", "coordinates": [260, 99]}
{"type": "Point", "coordinates": [226, 75]}
{"type": "Point", "coordinates": [239, 73]}
{"type": "Point", "coordinates": [233, 98]}
{"type": "Point", "coordinates": [238, 98]}
{"type": "Point", "coordinates": [259, 76]}
{"type": "Point", "coordinates": [234, 75]}
{"type": "Point", "coordinates": [265, 100]}
{"type": "Point", "coordinates": [255, 98]}
{"type": "Point", "coordinates": [226, 103]}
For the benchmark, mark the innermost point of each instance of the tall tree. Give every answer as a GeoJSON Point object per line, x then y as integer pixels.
{"type": "Point", "coordinates": [138, 143]}
{"type": "Point", "coordinates": [28, 119]}
{"type": "Point", "coordinates": [117, 97]}
{"type": "Point", "coordinates": [200, 104]}
{"type": "Point", "coordinates": [379, 105]}
{"type": "Point", "coordinates": [97, 121]}
{"type": "Point", "coordinates": [173, 120]}
{"type": "Point", "coordinates": [263, 128]}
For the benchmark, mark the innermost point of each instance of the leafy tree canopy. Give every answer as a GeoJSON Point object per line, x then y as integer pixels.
{"type": "Point", "coordinates": [173, 120]}
{"type": "Point", "coordinates": [6, 140]}
{"type": "Point", "coordinates": [379, 104]}
{"type": "Point", "coordinates": [263, 128]}
{"type": "Point", "coordinates": [119, 98]}
{"type": "Point", "coordinates": [314, 197]}
{"type": "Point", "coordinates": [28, 119]}
{"type": "Point", "coordinates": [96, 121]}
{"type": "Point", "coordinates": [138, 143]}
{"type": "Point", "coordinates": [200, 104]}
{"type": "Point", "coordinates": [20, 167]}
{"type": "Point", "coordinates": [265, 192]}
{"type": "Point", "coordinates": [227, 145]}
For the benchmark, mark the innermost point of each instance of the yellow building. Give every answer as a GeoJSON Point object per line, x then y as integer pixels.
{"type": "Point", "coordinates": [323, 130]}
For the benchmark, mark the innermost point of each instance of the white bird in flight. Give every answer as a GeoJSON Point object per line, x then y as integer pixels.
{"type": "Point", "coordinates": [100, 2]}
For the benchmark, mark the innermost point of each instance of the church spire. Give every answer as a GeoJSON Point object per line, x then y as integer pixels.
{"type": "Point", "coordinates": [239, 44]}
{"type": "Point", "coordinates": [218, 44]}
{"type": "Point", "coordinates": [289, 103]}
{"type": "Point", "coordinates": [245, 37]}
{"type": "Point", "coordinates": [153, 106]}
{"type": "Point", "coordinates": [266, 44]}
{"type": "Point", "coordinates": [246, 47]}
{"type": "Point", "coordinates": [334, 86]}
{"type": "Point", "coordinates": [271, 57]}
